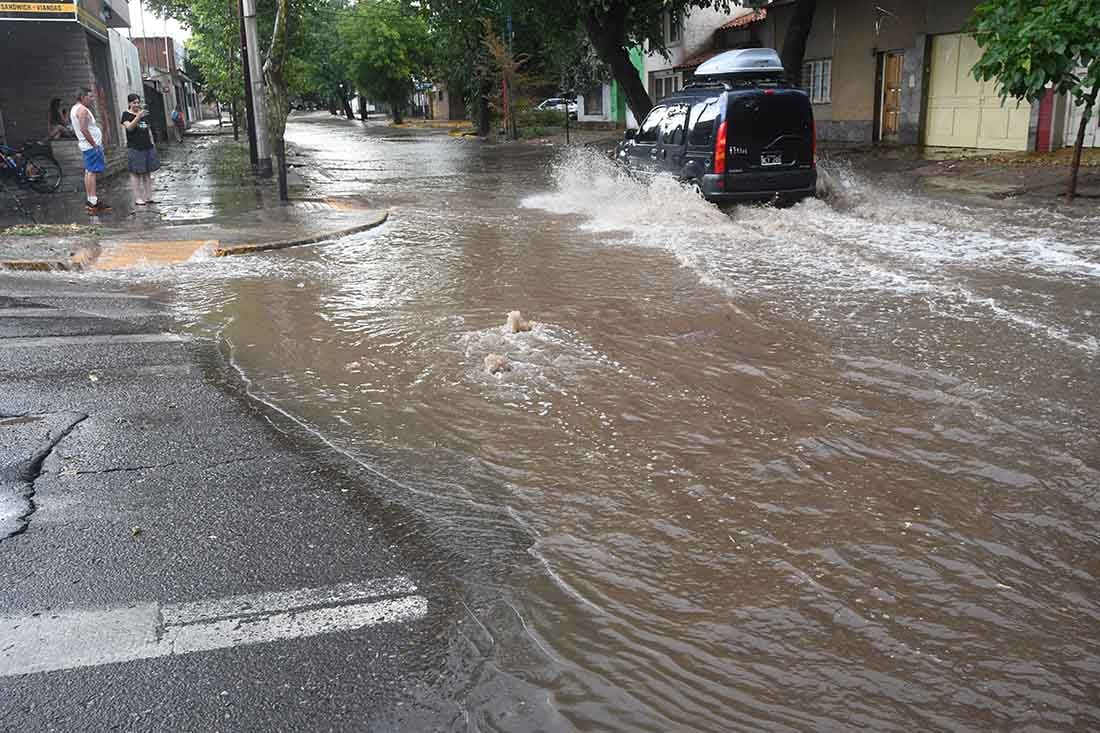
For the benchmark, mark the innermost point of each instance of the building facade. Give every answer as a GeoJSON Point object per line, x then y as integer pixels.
{"type": "Point", "coordinates": [50, 50]}
{"type": "Point", "coordinates": [445, 105]}
{"type": "Point", "coordinates": [606, 102]}
{"type": "Point", "coordinates": [899, 71]}
{"type": "Point", "coordinates": [166, 85]}
{"type": "Point", "coordinates": [877, 71]}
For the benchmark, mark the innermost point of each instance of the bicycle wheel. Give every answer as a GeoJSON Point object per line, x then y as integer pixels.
{"type": "Point", "coordinates": [42, 173]}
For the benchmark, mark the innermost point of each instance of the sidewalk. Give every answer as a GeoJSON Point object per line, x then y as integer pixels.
{"type": "Point", "coordinates": [1037, 179]}
{"type": "Point", "coordinates": [206, 198]}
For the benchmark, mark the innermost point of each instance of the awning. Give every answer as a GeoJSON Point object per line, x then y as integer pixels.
{"type": "Point", "coordinates": [698, 59]}
{"type": "Point", "coordinates": [740, 21]}
{"type": "Point", "coordinates": [743, 20]}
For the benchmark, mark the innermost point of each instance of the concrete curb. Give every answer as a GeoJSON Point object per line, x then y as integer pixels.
{"type": "Point", "coordinates": [433, 124]}
{"type": "Point", "coordinates": [244, 249]}
{"type": "Point", "coordinates": [83, 257]}
{"type": "Point", "coordinates": [86, 255]}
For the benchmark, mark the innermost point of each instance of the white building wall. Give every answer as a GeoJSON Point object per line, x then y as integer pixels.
{"type": "Point", "coordinates": [698, 35]}
{"type": "Point", "coordinates": [125, 72]}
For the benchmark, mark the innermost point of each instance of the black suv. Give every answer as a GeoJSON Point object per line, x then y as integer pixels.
{"type": "Point", "coordinates": [736, 140]}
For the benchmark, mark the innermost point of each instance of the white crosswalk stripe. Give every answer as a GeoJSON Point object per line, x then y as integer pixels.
{"type": "Point", "coordinates": [48, 641]}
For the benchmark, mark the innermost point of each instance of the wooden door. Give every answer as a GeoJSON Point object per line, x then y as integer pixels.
{"type": "Point", "coordinates": [891, 95]}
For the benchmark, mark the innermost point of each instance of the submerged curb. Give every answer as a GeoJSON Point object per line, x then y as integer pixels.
{"type": "Point", "coordinates": [244, 249]}
{"type": "Point", "coordinates": [76, 262]}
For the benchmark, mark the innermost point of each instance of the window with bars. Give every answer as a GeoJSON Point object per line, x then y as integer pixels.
{"type": "Point", "coordinates": [817, 80]}
{"type": "Point", "coordinates": [673, 27]}
{"type": "Point", "coordinates": [666, 84]}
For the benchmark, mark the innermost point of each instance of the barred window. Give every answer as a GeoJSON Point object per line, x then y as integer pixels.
{"type": "Point", "coordinates": [817, 79]}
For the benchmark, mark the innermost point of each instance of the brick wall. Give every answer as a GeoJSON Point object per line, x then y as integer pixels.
{"type": "Point", "coordinates": [40, 61]}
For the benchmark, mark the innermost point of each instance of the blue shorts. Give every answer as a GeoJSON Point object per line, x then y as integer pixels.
{"type": "Point", "coordinates": [93, 161]}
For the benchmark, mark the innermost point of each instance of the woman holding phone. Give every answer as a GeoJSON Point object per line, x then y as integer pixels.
{"type": "Point", "coordinates": [141, 154]}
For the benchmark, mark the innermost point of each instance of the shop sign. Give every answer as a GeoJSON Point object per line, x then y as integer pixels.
{"type": "Point", "coordinates": [37, 10]}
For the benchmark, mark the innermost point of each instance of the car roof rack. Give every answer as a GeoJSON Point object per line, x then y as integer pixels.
{"type": "Point", "coordinates": [740, 82]}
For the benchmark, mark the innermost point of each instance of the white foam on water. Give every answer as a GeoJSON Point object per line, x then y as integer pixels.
{"type": "Point", "coordinates": [548, 355]}
{"type": "Point", "coordinates": [858, 237]}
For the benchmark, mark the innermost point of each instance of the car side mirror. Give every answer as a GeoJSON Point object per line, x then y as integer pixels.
{"type": "Point", "coordinates": [630, 134]}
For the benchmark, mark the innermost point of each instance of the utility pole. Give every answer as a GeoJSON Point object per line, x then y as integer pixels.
{"type": "Point", "coordinates": [259, 109]}
{"type": "Point", "coordinates": [250, 119]}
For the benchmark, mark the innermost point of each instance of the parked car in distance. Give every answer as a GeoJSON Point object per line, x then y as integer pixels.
{"type": "Point", "coordinates": [558, 104]}
{"type": "Point", "coordinates": [739, 132]}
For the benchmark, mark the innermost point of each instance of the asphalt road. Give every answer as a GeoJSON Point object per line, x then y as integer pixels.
{"type": "Point", "coordinates": [174, 556]}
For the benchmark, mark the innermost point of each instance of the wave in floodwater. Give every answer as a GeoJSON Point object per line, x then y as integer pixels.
{"type": "Point", "coordinates": [677, 513]}
{"type": "Point", "coordinates": [858, 237]}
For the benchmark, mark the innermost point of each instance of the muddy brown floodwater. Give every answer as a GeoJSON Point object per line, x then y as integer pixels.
{"type": "Point", "coordinates": [827, 467]}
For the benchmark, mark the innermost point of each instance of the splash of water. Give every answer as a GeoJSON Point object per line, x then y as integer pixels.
{"type": "Point", "coordinates": [857, 236]}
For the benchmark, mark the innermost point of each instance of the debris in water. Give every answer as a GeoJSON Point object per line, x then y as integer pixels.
{"type": "Point", "coordinates": [517, 323]}
{"type": "Point", "coordinates": [135, 531]}
{"type": "Point", "coordinates": [495, 363]}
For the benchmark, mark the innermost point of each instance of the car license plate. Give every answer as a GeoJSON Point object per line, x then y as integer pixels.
{"type": "Point", "coordinates": [771, 159]}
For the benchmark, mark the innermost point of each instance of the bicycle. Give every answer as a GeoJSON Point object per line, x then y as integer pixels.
{"type": "Point", "coordinates": [31, 165]}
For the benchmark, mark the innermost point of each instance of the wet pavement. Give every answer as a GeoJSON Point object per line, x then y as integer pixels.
{"type": "Point", "coordinates": [203, 179]}
{"type": "Point", "coordinates": [173, 557]}
{"type": "Point", "coordinates": [813, 468]}
{"type": "Point", "coordinates": [207, 204]}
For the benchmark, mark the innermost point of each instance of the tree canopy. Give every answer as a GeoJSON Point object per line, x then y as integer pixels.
{"type": "Point", "coordinates": [1028, 47]}
{"type": "Point", "coordinates": [387, 50]}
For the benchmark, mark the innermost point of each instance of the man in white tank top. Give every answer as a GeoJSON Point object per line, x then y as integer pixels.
{"type": "Point", "coordinates": [90, 139]}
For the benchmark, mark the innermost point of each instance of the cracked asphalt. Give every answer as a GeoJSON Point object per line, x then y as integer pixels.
{"type": "Point", "coordinates": [133, 469]}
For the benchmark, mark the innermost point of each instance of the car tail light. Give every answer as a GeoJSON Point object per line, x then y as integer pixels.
{"type": "Point", "coordinates": [720, 150]}
{"type": "Point", "coordinates": [813, 142]}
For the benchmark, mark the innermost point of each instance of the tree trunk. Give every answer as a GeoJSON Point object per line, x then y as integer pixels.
{"type": "Point", "coordinates": [794, 45]}
{"type": "Point", "coordinates": [607, 32]}
{"type": "Point", "coordinates": [397, 117]}
{"type": "Point", "coordinates": [236, 112]}
{"type": "Point", "coordinates": [346, 104]}
{"type": "Point", "coordinates": [275, 86]}
{"type": "Point", "coordinates": [1079, 143]}
{"type": "Point", "coordinates": [484, 91]}
{"type": "Point", "coordinates": [362, 108]}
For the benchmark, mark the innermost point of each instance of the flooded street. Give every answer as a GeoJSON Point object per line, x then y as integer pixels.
{"type": "Point", "coordinates": [816, 468]}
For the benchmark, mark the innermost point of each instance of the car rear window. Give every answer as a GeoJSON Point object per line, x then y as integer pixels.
{"type": "Point", "coordinates": [762, 117]}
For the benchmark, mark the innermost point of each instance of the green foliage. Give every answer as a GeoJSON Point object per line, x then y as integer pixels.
{"type": "Point", "coordinates": [1028, 45]}
{"type": "Point", "coordinates": [456, 51]}
{"type": "Point", "coordinates": [537, 131]}
{"type": "Point", "coordinates": [387, 49]}
{"type": "Point", "coordinates": [319, 65]}
{"type": "Point", "coordinates": [540, 118]}
{"type": "Point", "coordinates": [219, 66]}
{"type": "Point", "coordinates": [575, 66]}
{"type": "Point", "coordinates": [634, 22]}
{"type": "Point", "coordinates": [284, 39]}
